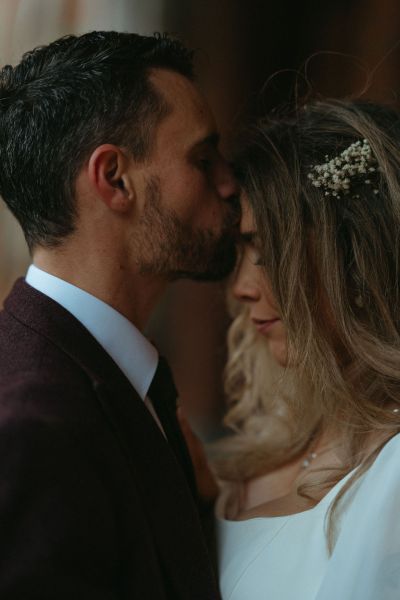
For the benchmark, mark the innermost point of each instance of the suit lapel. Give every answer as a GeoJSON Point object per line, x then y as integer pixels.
{"type": "Point", "coordinates": [167, 500]}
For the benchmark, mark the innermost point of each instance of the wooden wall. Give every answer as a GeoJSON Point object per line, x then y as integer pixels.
{"type": "Point", "coordinates": [240, 46]}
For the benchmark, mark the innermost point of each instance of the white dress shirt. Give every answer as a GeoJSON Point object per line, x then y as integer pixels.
{"type": "Point", "coordinates": [131, 351]}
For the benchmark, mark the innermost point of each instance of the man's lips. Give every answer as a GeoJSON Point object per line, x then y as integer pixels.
{"type": "Point", "coordinates": [264, 325]}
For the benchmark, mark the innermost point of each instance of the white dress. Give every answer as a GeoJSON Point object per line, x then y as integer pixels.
{"type": "Point", "coordinates": [286, 558]}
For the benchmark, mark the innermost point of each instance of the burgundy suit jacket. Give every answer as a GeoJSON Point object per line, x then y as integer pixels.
{"type": "Point", "coordinates": [94, 503]}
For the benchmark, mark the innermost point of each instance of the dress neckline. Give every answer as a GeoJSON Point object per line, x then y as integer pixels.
{"type": "Point", "coordinates": [323, 502]}
{"type": "Point", "coordinates": [329, 496]}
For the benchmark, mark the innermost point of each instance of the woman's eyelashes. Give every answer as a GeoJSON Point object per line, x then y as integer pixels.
{"type": "Point", "coordinates": [248, 251]}
{"type": "Point", "coordinates": [250, 247]}
{"type": "Point", "coordinates": [256, 257]}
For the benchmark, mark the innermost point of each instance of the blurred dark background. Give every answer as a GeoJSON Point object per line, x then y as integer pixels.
{"type": "Point", "coordinates": [336, 48]}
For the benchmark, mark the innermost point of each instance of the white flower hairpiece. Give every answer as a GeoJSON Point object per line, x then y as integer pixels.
{"type": "Point", "coordinates": [335, 175]}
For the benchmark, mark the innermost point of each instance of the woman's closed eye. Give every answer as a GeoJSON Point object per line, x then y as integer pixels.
{"type": "Point", "coordinates": [248, 245]}
{"type": "Point", "coordinates": [255, 256]}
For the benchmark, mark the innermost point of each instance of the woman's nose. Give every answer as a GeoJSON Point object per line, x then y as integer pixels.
{"type": "Point", "coordinates": [245, 290]}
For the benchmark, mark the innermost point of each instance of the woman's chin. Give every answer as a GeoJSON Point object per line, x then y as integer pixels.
{"type": "Point", "coordinates": [278, 350]}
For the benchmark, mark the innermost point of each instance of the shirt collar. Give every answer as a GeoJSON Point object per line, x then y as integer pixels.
{"type": "Point", "coordinates": [131, 351]}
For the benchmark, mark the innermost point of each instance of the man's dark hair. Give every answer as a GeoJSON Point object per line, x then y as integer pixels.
{"type": "Point", "coordinates": [61, 102]}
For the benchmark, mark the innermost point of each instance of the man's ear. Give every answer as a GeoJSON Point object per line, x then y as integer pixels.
{"type": "Point", "coordinates": [107, 174]}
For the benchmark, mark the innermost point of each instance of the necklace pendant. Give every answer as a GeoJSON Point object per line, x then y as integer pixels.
{"type": "Point", "coordinates": [307, 461]}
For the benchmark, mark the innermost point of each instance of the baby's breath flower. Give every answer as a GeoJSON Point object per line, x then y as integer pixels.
{"type": "Point", "coordinates": [335, 175]}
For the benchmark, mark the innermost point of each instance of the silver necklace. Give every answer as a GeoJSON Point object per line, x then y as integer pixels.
{"type": "Point", "coordinates": [308, 459]}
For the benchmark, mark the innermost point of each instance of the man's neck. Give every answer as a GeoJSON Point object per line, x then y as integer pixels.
{"type": "Point", "coordinates": [130, 293]}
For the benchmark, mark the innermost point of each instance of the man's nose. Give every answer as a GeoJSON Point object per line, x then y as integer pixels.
{"type": "Point", "coordinates": [226, 182]}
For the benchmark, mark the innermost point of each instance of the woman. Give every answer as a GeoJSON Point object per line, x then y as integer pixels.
{"type": "Point", "coordinates": [311, 476]}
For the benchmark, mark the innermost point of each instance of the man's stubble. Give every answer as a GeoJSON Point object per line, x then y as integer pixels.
{"type": "Point", "coordinates": [169, 248]}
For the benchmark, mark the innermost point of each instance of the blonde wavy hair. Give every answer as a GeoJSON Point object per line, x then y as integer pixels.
{"type": "Point", "coordinates": [334, 267]}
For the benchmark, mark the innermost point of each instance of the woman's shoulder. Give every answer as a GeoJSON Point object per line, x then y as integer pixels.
{"type": "Point", "coordinates": [384, 473]}
{"type": "Point", "coordinates": [372, 492]}
{"type": "Point", "coordinates": [386, 463]}
{"type": "Point", "coordinates": [366, 550]}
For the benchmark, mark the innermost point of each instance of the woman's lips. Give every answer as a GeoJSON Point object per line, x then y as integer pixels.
{"type": "Point", "coordinates": [264, 325]}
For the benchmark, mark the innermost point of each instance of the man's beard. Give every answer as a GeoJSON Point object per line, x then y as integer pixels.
{"type": "Point", "coordinates": [169, 248]}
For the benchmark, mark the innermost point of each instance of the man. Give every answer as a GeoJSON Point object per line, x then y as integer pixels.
{"type": "Point", "coordinates": [109, 160]}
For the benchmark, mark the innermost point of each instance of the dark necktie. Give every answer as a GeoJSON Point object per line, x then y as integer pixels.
{"type": "Point", "coordinates": [163, 394]}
